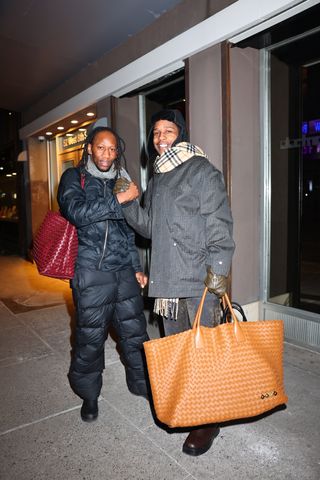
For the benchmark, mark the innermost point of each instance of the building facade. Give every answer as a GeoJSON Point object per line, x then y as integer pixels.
{"type": "Point", "coordinates": [245, 75]}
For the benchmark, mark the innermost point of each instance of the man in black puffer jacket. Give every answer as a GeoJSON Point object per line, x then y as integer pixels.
{"type": "Point", "coordinates": [108, 275]}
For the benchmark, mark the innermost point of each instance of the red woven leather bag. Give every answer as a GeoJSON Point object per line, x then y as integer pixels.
{"type": "Point", "coordinates": [55, 246]}
{"type": "Point", "coordinates": [211, 375]}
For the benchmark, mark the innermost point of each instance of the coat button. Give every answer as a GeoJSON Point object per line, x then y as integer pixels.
{"type": "Point", "coordinates": [174, 244]}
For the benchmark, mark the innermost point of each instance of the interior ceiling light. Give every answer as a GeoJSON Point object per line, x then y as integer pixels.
{"type": "Point", "coordinates": [60, 127]}
{"type": "Point", "coordinates": [74, 122]}
{"type": "Point", "coordinates": [90, 114]}
{"type": "Point", "coordinates": [69, 135]}
{"type": "Point", "coordinates": [48, 133]}
{"type": "Point", "coordinates": [14, 173]}
{"type": "Point", "coordinates": [82, 129]}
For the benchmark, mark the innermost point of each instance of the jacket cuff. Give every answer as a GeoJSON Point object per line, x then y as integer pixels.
{"type": "Point", "coordinates": [127, 204]}
{"type": "Point", "coordinates": [219, 267]}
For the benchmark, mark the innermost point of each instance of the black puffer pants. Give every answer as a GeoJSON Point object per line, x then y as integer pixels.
{"type": "Point", "coordinates": [103, 299]}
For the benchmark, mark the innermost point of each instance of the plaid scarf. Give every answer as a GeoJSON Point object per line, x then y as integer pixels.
{"type": "Point", "coordinates": [175, 156]}
{"type": "Point", "coordinates": [170, 159]}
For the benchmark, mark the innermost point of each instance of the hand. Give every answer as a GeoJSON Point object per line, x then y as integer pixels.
{"type": "Point", "coordinates": [216, 284]}
{"type": "Point", "coordinates": [121, 185]}
{"type": "Point", "coordinates": [131, 193]}
{"type": "Point", "coordinates": [142, 279]}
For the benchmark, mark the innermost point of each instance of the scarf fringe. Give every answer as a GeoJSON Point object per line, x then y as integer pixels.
{"type": "Point", "coordinates": [167, 307]}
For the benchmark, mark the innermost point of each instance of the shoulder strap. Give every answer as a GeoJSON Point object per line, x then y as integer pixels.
{"type": "Point", "coordinates": [83, 177]}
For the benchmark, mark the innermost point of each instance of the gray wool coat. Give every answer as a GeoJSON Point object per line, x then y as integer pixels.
{"type": "Point", "coordinates": [186, 214]}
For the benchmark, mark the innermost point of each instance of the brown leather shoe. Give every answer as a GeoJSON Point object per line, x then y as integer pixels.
{"type": "Point", "coordinates": [200, 440]}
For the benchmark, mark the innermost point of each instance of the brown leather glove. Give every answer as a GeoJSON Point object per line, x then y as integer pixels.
{"type": "Point", "coordinates": [121, 185]}
{"type": "Point", "coordinates": [216, 284]}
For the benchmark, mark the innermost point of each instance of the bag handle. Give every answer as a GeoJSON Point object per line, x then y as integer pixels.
{"type": "Point", "coordinates": [236, 307]}
{"type": "Point", "coordinates": [196, 324]}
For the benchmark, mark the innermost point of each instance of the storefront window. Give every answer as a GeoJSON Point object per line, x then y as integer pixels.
{"type": "Point", "coordinates": [294, 278]}
{"type": "Point", "coordinates": [8, 198]}
{"type": "Point", "coordinates": [10, 204]}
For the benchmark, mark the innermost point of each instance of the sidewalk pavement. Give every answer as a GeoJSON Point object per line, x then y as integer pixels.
{"type": "Point", "coordinates": [42, 435]}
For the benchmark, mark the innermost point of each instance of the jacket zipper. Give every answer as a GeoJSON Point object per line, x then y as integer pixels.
{"type": "Point", "coordinates": [106, 233]}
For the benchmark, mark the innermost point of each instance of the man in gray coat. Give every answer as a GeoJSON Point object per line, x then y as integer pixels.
{"type": "Point", "coordinates": [186, 214]}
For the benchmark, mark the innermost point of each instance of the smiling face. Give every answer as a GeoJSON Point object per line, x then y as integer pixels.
{"type": "Point", "coordinates": [165, 134]}
{"type": "Point", "coordinates": [103, 150]}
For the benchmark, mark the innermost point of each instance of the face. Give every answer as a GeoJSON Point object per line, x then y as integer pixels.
{"type": "Point", "coordinates": [165, 133]}
{"type": "Point", "coordinates": [103, 150]}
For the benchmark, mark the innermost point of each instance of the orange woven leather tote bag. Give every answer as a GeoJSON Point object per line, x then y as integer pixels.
{"type": "Point", "coordinates": [211, 375]}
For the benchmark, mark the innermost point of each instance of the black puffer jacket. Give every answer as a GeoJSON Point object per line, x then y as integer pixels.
{"type": "Point", "coordinates": [106, 242]}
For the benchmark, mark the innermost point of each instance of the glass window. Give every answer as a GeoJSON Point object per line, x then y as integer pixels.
{"type": "Point", "coordinates": [295, 173]}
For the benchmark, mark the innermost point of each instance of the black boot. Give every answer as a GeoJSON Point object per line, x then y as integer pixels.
{"type": "Point", "coordinates": [89, 410]}
{"type": "Point", "coordinates": [200, 440]}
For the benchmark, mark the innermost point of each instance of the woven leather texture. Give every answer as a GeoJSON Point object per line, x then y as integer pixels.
{"type": "Point", "coordinates": [211, 375]}
{"type": "Point", "coordinates": [55, 247]}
